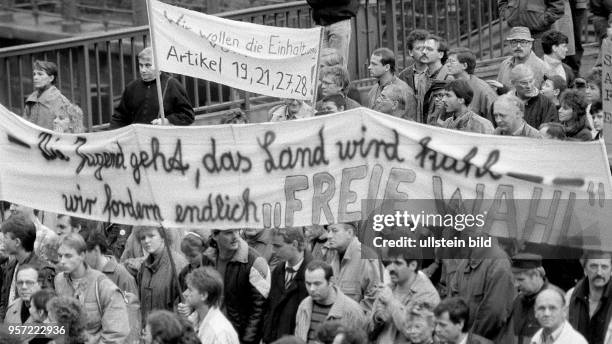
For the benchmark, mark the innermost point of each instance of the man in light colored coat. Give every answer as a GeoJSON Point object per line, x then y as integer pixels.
{"type": "Point", "coordinates": [107, 315]}
{"type": "Point", "coordinates": [555, 329]}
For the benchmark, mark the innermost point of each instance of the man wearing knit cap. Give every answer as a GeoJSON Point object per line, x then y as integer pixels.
{"type": "Point", "coordinates": [529, 279]}
{"type": "Point", "coordinates": [520, 43]}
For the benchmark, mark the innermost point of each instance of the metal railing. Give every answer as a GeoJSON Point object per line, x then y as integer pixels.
{"type": "Point", "coordinates": [94, 69]}
{"type": "Point", "coordinates": [124, 13]}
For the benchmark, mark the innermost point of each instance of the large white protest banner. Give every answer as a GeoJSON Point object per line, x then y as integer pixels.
{"type": "Point", "coordinates": [309, 171]}
{"type": "Point", "coordinates": [606, 93]}
{"type": "Point", "coordinates": [274, 61]}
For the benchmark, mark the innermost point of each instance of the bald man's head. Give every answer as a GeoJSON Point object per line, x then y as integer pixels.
{"type": "Point", "coordinates": [549, 308]}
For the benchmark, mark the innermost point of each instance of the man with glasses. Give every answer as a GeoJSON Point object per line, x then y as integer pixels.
{"type": "Point", "coordinates": [335, 80]}
{"type": "Point", "coordinates": [536, 15]}
{"type": "Point", "coordinates": [520, 43]}
{"type": "Point", "coordinates": [415, 75]}
{"type": "Point", "coordinates": [538, 108]}
{"type": "Point", "coordinates": [19, 236]}
{"type": "Point", "coordinates": [508, 111]}
{"type": "Point", "coordinates": [391, 101]}
{"type": "Point", "coordinates": [27, 284]}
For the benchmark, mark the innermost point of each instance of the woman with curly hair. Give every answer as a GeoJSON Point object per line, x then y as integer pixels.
{"type": "Point", "coordinates": [572, 115]}
{"type": "Point", "coordinates": [47, 106]}
{"type": "Point", "coordinates": [164, 327]}
{"type": "Point", "coordinates": [67, 312]}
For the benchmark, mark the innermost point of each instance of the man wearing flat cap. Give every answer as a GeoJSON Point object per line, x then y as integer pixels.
{"type": "Point", "coordinates": [520, 42]}
{"type": "Point", "coordinates": [537, 15]}
{"type": "Point", "coordinates": [529, 279]}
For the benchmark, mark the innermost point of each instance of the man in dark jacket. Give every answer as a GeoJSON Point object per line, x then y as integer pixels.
{"type": "Point", "coordinates": [484, 280]}
{"type": "Point", "coordinates": [590, 302]}
{"type": "Point", "coordinates": [139, 102]}
{"type": "Point", "coordinates": [335, 16]}
{"type": "Point", "coordinates": [288, 288]}
{"type": "Point", "coordinates": [530, 278]}
{"type": "Point", "coordinates": [538, 108]}
{"type": "Point", "coordinates": [537, 15]}
{"type": "Point", "coordinates": [19, 236]}
{"type": "Point", "coordinates": [246, 278]}
{"type": "Point", "coordinates": [452, 319]}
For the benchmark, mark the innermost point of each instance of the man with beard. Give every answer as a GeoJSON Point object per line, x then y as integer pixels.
{"type": "Point", "coordinates": [415, 75]}
{"type": "Point", "coordinates": [409, 287]}
{"type": "Point", "coordinates": [382, 67]}
{"type": "Point", "coordinates": [590, 302]}
{"type": "Point", "coordinates": [521, 43]}
{"type": "Point", "coordinates": [538, 108]}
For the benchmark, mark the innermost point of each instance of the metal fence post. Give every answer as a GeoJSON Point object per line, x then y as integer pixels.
{"type": "Point", "coordinates": [6, 10]}
{"type": "Point", "coordinates": [139, 13]}
{"type": "Point", "coordinates": [391, 24]}
{"type": "Point", "coordinates": [70, 14]}
{"type": "Point", "coordinates": [85, 83]}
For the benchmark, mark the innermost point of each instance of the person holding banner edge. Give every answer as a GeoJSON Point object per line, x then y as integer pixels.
{"type": "Point", "coordinates": [335, 16]}
{"type": "Point", "coordinates": [139, 101]}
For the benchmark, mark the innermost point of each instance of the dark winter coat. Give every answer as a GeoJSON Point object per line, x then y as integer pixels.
{"type": "Point", "coordinates": [326, 12]}
{"type": "Point", "coordinates": [139, 103]}
{"type": "Point", "coordinates": [283, 304]}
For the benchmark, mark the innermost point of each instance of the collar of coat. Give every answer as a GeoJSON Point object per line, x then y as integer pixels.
{"type": "Point", "coordinates": [47, 96]}
{"type": "Point", "coordinates": [338, 307]}
{"type": "Point", "coordinates": [241, 255]}
{"type": "Point", "coordinates": [354, 246]}
{"type": "Point", "coordinates": [111, 265]}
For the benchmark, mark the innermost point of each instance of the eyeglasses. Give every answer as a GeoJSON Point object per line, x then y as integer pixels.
{"type": "Point", "coordinates": [520, 42]}
{"type": "Point", "coordinates": [525, 83]}
{"type": "Point", "coordinates": [327, 83]}
{"type": "Point", "coordinates": [25, 283]}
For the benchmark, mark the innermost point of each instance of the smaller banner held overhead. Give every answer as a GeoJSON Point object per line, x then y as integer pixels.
{"type": "Point", "coordinates": [606, 93]}
{"type": "Point", "coordinates": [269, 60]}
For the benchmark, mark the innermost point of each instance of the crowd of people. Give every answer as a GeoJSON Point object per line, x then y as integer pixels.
{"type": "Point", "coordinates": [109, 283]}
{"type": "Point", "coordinates": [290, 285]}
